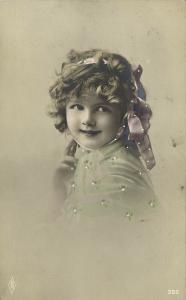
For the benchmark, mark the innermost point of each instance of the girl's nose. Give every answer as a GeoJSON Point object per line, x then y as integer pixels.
{"type": "Point", "coordinates": [89, 120]}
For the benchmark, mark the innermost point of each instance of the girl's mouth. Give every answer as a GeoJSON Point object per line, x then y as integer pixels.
{"type": "Point", "coordinates": [90, 132]}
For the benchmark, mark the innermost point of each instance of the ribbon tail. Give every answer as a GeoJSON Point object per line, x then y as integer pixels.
{"type": "Point", "coordinates": [146, 152]}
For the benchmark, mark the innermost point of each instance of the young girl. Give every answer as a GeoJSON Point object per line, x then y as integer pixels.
{"type": "Point", "coordinates": [105, 245]}
{"type": "Point", "coordinates": [96, 100]}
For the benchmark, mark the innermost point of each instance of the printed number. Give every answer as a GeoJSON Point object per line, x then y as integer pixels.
{"type": "Point", "coordinates": [173, 292]}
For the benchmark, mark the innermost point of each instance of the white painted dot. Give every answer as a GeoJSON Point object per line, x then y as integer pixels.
{"type": "Point", "coordinates": [129, 215]}
{"type": "Point", "coordinates": [74, 210]}
{"type": "Point", "coordinates": [103, 203]}
{"type": "Point", "coordinates": [152, 203]}
{"type": "Point", "coordinates": [123, 188]}
{"type": "Point", "coordinates": [114, 158]}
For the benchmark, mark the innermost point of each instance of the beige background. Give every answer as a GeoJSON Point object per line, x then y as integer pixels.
{"type": "Point", "coordinates": [34, 39]}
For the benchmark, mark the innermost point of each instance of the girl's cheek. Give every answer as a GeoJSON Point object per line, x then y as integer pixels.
{"type": "Point", "coordinates": [71, 115]}
{"type": "Point", "coordinates": [74, 120]}
{"type": "Point", "coordinates": [108, 120]}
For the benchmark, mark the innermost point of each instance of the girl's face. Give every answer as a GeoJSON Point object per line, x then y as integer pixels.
{"type": "Point", "coordinates": [92, 121]}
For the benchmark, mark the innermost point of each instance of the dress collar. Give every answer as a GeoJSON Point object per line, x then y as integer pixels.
{"type": "Point", "coordinates": [106, 150]}
{"type": "Point", "coordinates": [109, 149]}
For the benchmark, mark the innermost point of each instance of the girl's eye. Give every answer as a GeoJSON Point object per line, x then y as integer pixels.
{"type": "Point", "coordinates": [77, 107]}
{"type": "Point", "coordinates": [103, 109]}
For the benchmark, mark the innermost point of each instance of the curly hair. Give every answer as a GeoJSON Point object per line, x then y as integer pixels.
{"type": "Point", "coordinates": [110, 77]}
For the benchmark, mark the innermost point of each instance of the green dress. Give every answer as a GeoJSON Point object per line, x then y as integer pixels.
{"type": "Point", "coordinates": [112, 182]}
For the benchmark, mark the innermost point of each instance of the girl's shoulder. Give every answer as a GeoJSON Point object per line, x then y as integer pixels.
{"type": "Point", "coordinates": [124, 159]}
{"type": "Point", "coordinates": [124, 165]}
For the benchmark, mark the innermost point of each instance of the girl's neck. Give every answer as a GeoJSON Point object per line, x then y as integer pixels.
{"type": "Point", "coordinates": [114, 141]}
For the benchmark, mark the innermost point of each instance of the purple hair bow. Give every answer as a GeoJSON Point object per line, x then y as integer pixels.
{"type": "Point", "coordinates": [139, 114]}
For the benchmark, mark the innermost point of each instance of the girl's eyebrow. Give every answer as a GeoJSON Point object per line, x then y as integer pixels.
{"type": "Point", "coordinates": [102, 104]}
{"type": "Point", "coordinates": [108, 104]}
{"type": "Point", "coordinates": [78, 101]}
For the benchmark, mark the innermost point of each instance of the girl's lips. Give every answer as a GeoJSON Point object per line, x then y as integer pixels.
{"type": "Point", "coordinates": [90, 132]}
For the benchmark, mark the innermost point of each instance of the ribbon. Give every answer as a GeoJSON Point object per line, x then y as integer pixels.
{"type": "Point", "coordinates": [138, 117]}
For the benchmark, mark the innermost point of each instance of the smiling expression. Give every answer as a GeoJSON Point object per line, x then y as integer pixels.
{"type": "Point", "coordinates": [93, 121]}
